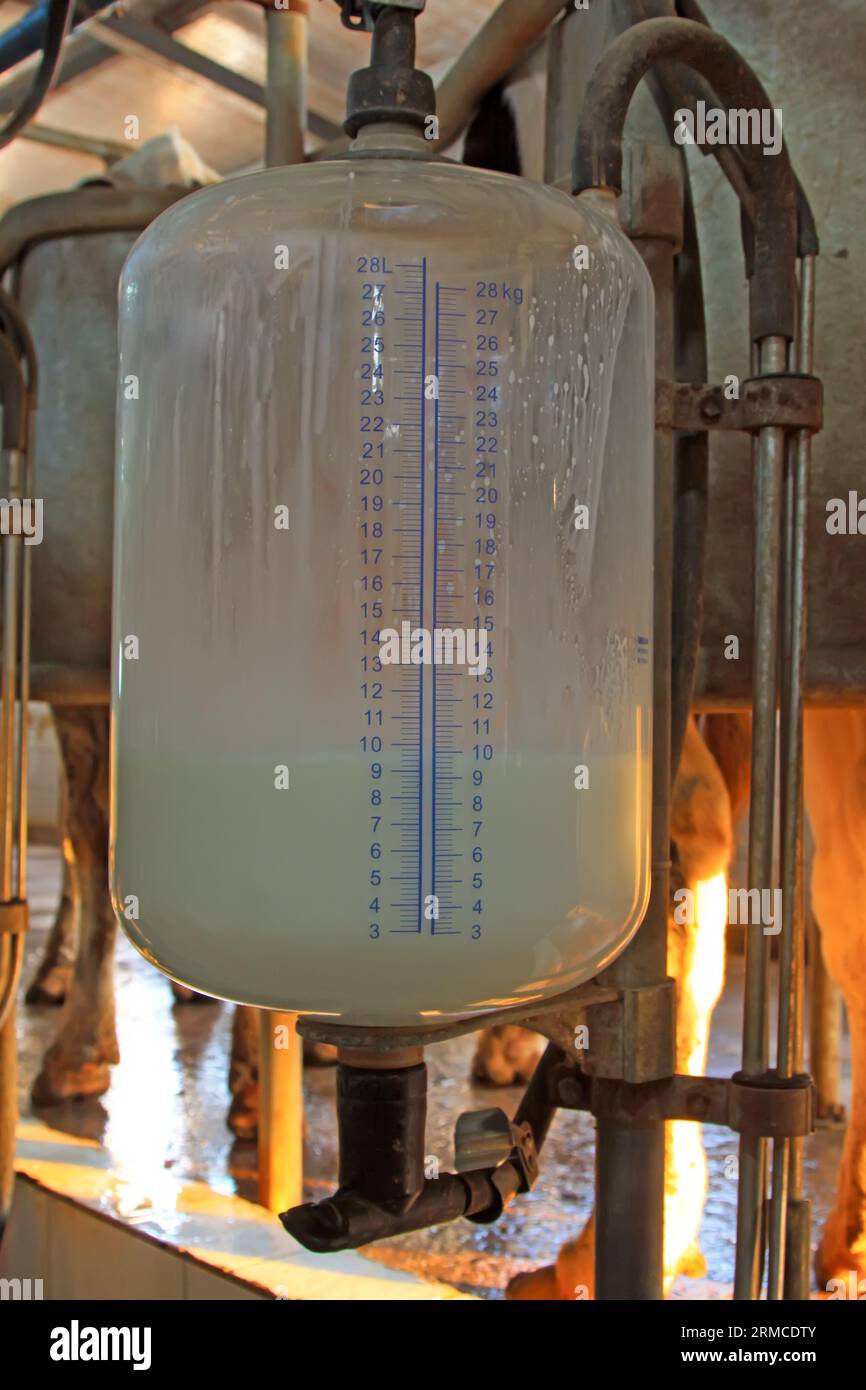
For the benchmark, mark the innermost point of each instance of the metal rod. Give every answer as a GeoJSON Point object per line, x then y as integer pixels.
{"type": "Point", "coordinates": [11, 603]}
{"type": "Point", "coordinates": [281, 1101]}
{"type": "Point", "coordinates": [768, 493]}
{"type": "Point", "coordinates": [795, 1271]}
{"type": "Point", "coordinates": [24, 685]}
{"type": "Point", "coordinates": [281, 1093]}
{"type": "Point", "coordinates": [501, 43]}
{"type": "Point", "coordinates": [286, 83]}
{"type": "Point", "coordinates": [109, 151]}
{"type": "Point", "coordinates": [629, 1156]}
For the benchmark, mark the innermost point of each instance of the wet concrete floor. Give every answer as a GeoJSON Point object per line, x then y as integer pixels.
{"type": "Point", "coordinates": [166, 1108]}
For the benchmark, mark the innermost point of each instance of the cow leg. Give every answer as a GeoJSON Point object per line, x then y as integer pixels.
{"type": "Point", "coordinates": [835, 754]}
{"type": "Point", "coordinates": [701, 829]}
{"type": "Point", "coordinates": [78, 1061]}
{"type": "Point", "coordinates": [243, 1116]}
{"type": "Point", "coordinates": [53, 978]}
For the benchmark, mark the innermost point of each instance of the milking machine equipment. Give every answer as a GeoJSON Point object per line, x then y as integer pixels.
{"type": "Point", "coordinates": [395, 713]}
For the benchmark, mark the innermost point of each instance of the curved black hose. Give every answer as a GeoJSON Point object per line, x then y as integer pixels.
{"type": "Point", "coordinates": [807, 231]}
{"type": "Point", "coordinates": [13, 397]}
{"type": "Point", "coordinates": [56, 25]}
{"type": "Point", "coordinates": [14, 326]}
{"type": "Point", "coordinates": [598, 150]}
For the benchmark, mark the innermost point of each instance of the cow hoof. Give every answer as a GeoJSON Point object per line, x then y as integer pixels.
{"type": "Point", "coordinates": [571, 1279]}
{"type": "Point", "coordinates": [243, 1116]}
{"type": "Point", "coordinates": [50, 988]}
{"type": "Point", "coordinates": [535, 1286]}
{"type": "Point", "coordinates": [505, 1056]}
{"type": "Point", "coordinates": [318, 1054]}
{"type": "Point", "coordinates": [58, 1081]}
{"type": "Point", "coordinates": [184, 995]}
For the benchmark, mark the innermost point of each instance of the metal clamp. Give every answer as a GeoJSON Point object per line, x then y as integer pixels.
{"type": "Point", "coordinates": [787, 400]}
{"type": "Point", "coordinates": [771, 1107]}
{"type": "Point", "coordinates": [14, 917]}
{"type": "Point", "coordinates": [765, 1106]}
{"type": "Point", "coordinates": [487, 1138]}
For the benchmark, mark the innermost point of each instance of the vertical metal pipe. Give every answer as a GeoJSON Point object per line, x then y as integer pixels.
{"type": "Point", "coordinates": [768, 494]}
{"type": "Point", "coordinates": [630, 1155]}
{"type": "Point", "coordinates": [281, 1098]}
{"type": "Point", "coordinates": [11, 605]}
{"type": "Point", "coordinates": [795, 1274]}
{"type": "Point", "coordinates": [24, 686]}
{"type": "Point", "coordinates": [629, 1158]}
{"type": "Point", "coordinates": [286, 31]}
{"type": "Point", "coordinates": [281, 1112]}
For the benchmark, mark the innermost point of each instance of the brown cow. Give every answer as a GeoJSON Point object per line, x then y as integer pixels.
{"type": "Point", "coordinates": [710, 794]}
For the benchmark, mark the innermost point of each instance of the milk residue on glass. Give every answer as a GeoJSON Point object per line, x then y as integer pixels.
{"type": "Point", "coordinates": [371, 394]}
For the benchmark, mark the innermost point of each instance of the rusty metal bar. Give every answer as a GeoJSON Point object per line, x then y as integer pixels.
{"type": "Point", "coordinates": [790, 401]}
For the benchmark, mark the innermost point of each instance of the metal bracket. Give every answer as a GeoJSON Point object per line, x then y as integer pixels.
{"type": "Point", "coordinates": [763, 1106]}
{"type": "Point", "coordinates": [632, 1037]}
{"type": "Point", "coordinates": [787, 400]}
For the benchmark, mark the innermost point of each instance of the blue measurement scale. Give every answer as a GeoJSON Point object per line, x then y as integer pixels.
{"type": "Point", "coordinates": [430, 407]}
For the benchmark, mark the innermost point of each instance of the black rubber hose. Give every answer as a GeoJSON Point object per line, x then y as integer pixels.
{"type": "Point", "coordinates": [56, 25]}
{"type": "Point", "coordinates": [14, 325]}
{"type": "Point", "coordinates": [807, 231]}
{"type": "Point", "coordinates": [13, 397]}
{"type": "Point", "coordinates": [598, 150]}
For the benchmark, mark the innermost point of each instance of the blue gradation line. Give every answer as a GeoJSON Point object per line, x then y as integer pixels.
{"type": "Point", "coordinates": [421, 600]}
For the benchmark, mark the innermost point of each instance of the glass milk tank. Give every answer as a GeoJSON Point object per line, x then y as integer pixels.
{"type": "Point", "coordinates": [383, 591]}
